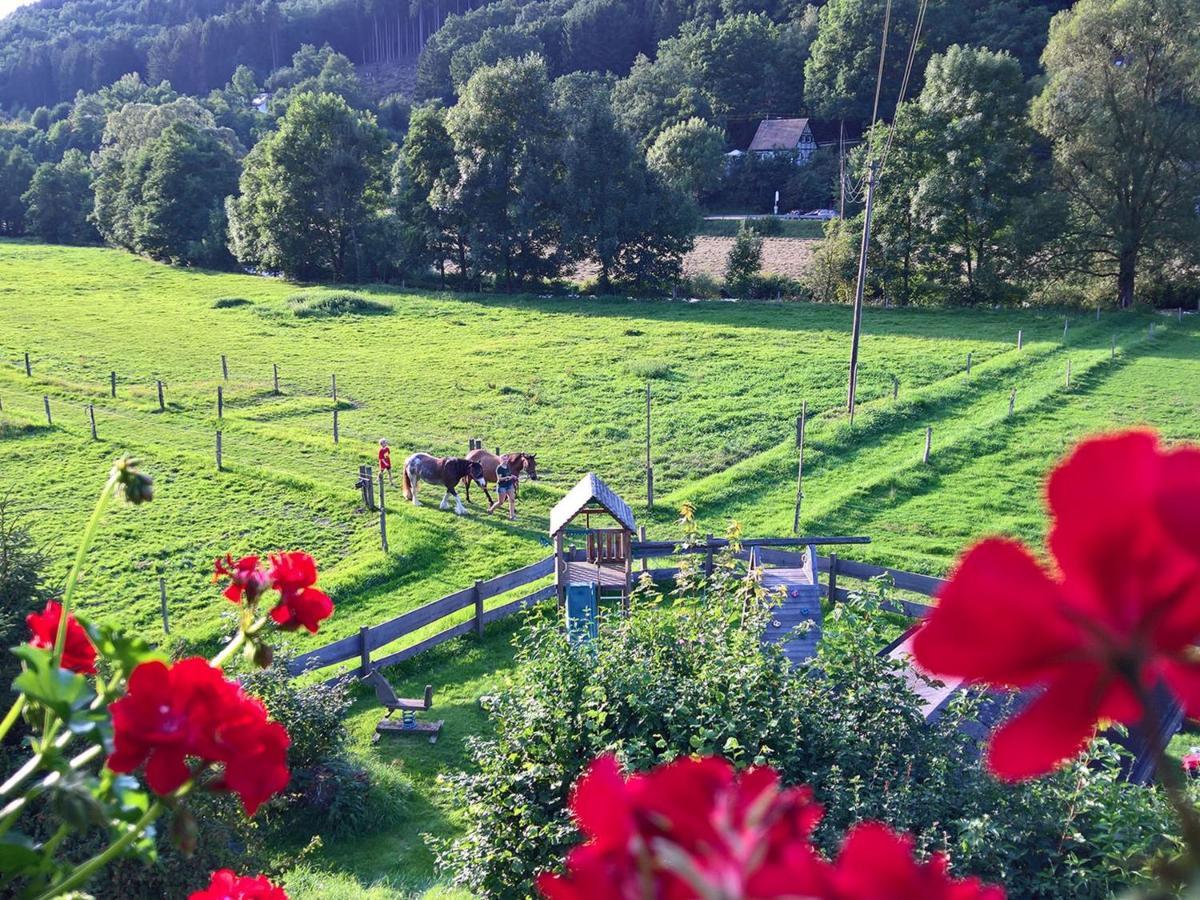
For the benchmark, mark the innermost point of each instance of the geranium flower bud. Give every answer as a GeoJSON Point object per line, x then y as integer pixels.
{"type": "Point", "coordinates": [134, 485]}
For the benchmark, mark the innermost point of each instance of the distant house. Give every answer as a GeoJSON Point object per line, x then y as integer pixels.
{"type": "Point", "coordinates": [262, 102]}
{"type": "Point", "coordinates": [776, 137]}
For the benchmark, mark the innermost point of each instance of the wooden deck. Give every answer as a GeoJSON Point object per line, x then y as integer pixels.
{"type": "Point", "coordinates": [586, 573]}
{"type": "Point", "coordinates": [933, 696]}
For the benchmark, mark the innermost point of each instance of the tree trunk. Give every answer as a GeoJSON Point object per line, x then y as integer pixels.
{"type": "Point", "coordinates": [1126, 273]}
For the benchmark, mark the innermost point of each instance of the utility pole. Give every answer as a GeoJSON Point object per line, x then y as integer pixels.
{"type": "Point", "coordinates": [856, 330]}
{"type": "Point", "coordinates": [842, 172]}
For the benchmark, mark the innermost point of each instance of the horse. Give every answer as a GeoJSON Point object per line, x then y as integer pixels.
{"type": "Point", "coordinates": [447, 471]}
{"type": "Point", "coordinates": [517, 463]}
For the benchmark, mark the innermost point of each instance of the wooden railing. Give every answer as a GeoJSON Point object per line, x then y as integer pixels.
{"type": "Point", "coordinates": [360, 646]}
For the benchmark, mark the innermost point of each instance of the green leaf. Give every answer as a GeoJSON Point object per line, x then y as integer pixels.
{"type": "Point", "coordinates": [18, 854]}
{"type": "Point", "coordinates": [57, 689]}
{"type": "Point", "coordinates": [125, 651]}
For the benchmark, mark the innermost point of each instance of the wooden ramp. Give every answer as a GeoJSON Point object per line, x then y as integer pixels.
{"type": "Point", "coordinates": [798, 604]}
{"type": "Point", "coordinates": [933, 697]}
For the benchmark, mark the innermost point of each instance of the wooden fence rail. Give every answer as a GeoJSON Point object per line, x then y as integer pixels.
{"type": "Point", "coordinates": [360, 646]}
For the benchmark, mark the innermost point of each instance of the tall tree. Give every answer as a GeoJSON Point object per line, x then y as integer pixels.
{"type": "Point", "coordinates": [59, 201]}
{"type": "Point", "coordinates": [688, 156]}
{"type": "Point", "coordinates": [312, 192]}
{"type": "Point", "coordinates": [840, 75]}
{"type": "Point", "coordinates": [181, 216]}
{"type": "Point", "coordinates": [1122, 108]}
{"type": "Point", "coordinates": [960, 199]}
{"type": "Point", "coordinates": [506, 145]}
{"type": "Point", "coordinates": [16, 169]}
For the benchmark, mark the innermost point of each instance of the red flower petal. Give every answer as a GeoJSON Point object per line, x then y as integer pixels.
{"type": "Point", "coordinates": [600, 804]}
{"type": "Point", "coordinates": [166, 770]}
{"type": "Point", "coordinates": [996, 620]}
{"type": "Point", "coordinates": [1178, 498]}
{"type": "Point", "coordinates": [1053, 728]}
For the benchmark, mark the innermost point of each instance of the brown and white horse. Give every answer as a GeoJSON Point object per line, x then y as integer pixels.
{"type": "Point", "coordinates": [447, 471]}
{"type": "Point", "coordinates": [517, 463]}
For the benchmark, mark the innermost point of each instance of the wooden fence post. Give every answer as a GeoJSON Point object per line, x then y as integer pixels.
{"type": "Point", "coordinates": [28, 370]}
{"type": "Point", "coordinates": [1012, 400]}
{"type": "Point", "coordinates": [162, 600]}
{"type": "Point", "coordinates": [224, 367]}
{"type": "Point", "coordinates": [219, 451]}
{"type": "Point", "coordinates": [853, 392]}
{"type": "Point", "coordinates": [800, 423]}
{"type": "Point", "coordinates": [220, 402]}
{"type": "Point", "coordinates": [112, 384]}
{"type": "Point", "coordinates": [92, 419]}
{"type": "Point", "coordinates": [1097, 313]}
{"type": "Point", "coordinates": [642, 539]}
{"type": "Point", "coordinates": [1068, 381]}
{"type": "Point", "coordinates": [383, 541]}
{"type": "Point", "coordinates": [895, 387]}
{"type": "Point", "coordinates": [928, 443]}
{"type": "Point", "coordinates": [1066, 325]}
{"type": "Point", "coordinates": [968, 363]}
{"type": "Point", "coordinates": [162, 406]}
{"type": "Point", "coordinates": [478, 610]}
{"type": "Point", "coordinates": [832, 577]}
{"type": "Point", "coordinates": [275, 375]}
{"type": "Point", "coordinates": [1020, 339]}
{"type": "Point", "coordinates": [334, 379]}
{"type": "Point", "coordinates": [335, 425]}
{"type": "Point", "coordinates": [364, 651]}
{"type": "Point", "coordinates": [46, 403]}
{"type": "Point", "coordinates": [649, 467]}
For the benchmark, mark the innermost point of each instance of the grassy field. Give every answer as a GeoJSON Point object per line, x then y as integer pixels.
{"type": "Point", "coordinates": [565, 378]}
{"type": "Point", "coordinates": [792, 228]}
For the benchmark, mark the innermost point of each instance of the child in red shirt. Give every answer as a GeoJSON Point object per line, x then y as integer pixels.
{"type": "Point", "coordinates": [385, 460]}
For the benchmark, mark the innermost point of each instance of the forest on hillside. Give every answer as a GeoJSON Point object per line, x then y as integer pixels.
{"type": "Point", "coordinates": [1022, 150]}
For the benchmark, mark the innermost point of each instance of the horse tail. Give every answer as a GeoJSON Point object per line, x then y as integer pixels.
{"type": "Point", "coordinates": [407, 482]}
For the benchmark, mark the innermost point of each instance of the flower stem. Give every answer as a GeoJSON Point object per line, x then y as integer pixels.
{"type": "Point", "coordinates": [231, 648]}
{"type": "Point", "coordinates": [13, 712]}
{"type": "Point", "coordinates": [84, 871]}
{"type": "Point", "coordinates": [89, 535]}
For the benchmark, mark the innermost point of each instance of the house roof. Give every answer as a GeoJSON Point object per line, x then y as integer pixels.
{"type": "Point", "coordinates": [590, 488]}
{"type": "Point", "coordinates": [778, 134]}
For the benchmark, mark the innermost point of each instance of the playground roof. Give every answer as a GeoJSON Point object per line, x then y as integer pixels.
{"type": "Point", "coordinates": [590, 488]}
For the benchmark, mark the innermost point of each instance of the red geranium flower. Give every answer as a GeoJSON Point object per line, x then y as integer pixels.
{"type": "Point", "coordinates": [246, 578]}
{"type": "Point", "coordinates": [191, 711]}
{"type": "Point", "coordinates": [1121, 611]}
{"type": "Point", "coordinates": [686, 825]}
{"type": "Point", "coordinates": [225, 885]}
{"type": "Point", "coordinates": [300, 604]}
{"type": "Point", "coordinates": [79, 653]}
{"type": "Point", "coordinates": [877, 864]}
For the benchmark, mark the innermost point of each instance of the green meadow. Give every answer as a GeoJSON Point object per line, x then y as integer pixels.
{"type": "Point", "coordinates": [564, 377]}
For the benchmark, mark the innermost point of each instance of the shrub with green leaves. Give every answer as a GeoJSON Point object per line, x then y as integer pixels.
{"type": "Point", "coordinates": [693, 677]}
{"type": "Point", "coordinates": [745, 260]}
{"type": "Point", "coordinates": [315, 304]}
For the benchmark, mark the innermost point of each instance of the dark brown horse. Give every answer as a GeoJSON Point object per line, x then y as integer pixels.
{"type": "Point", "coordinates": [447, 471]}
{"type": "Point", "coordinates": [516, 462]}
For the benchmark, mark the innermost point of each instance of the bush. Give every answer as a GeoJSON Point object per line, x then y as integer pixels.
{"type": "Point", "coordinates": [311, 304]}
{"type": "Point", "coordinates": [701, 285]}
{"type": "Point", "coordinates": [745, 261]}
{"type": "Point", "coordinates": [694, 678]}
{"type": "Point", "coordinates": [230, 302]}
{"type": "Point", "coordinates": [649, 368]}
